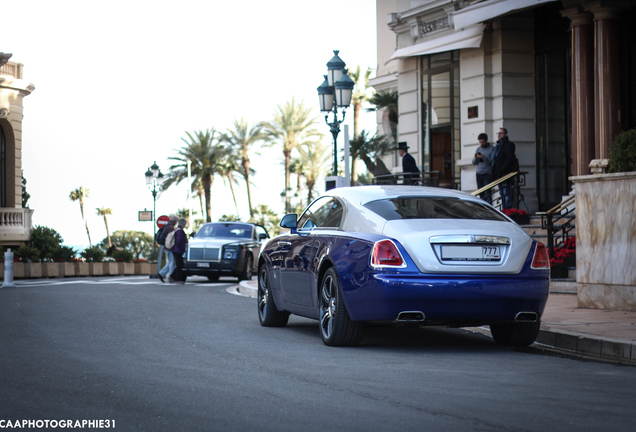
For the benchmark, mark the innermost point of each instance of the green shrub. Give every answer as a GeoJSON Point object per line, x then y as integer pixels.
{"type": "Point", "coordinates": [622, 157]}
{"type": "Point", "coordinates": [27, 253]}
{"type": "Point", "coordinates": [46, 240]}
{"type": "Point", "coordinates": [93, 254]}
{"type": "Point", "coordinates": [123, 255]}
{"type": "Point", "coordinates": [64, 254]}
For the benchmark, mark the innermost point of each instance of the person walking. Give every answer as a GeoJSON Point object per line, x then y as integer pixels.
{"type": "Point", "coordinates": [408, 164]}
{"type": "Point", "coordinates": [505, 162]}
{"type": "Point", "coordinates": [167, 270]}
{"type": "Point", "coordinates": [483, 159]}
{"type": "Point", "coordinates": [179, 248]}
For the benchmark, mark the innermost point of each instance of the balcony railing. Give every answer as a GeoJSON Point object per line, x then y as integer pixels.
{"type": "Point", "coordinates": [12, 69]}
{"type": "Point", "coordinates": [15, 225]}
{"type": "Point", "coordinates": [426, 178]}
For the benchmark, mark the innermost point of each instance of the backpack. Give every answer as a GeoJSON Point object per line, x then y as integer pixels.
{"type": "Point", "coordinates": [160, 237]}
{"type": "Point", "coordinates": [171, 239]}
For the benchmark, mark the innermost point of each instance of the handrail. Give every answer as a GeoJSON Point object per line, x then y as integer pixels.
{"type": "Point", "coordinates": [495, 183]}
{"type": "Point", "coordinates": [426, 178]}
{"type": "Point", "coordinates": [558, 222]}
{"type": "Point", "coordinates": [560, 207]}
{"type": "Point", "coordinates": [514, 180]}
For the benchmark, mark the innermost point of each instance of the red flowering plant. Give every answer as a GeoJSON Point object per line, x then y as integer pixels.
{"type": "Point", "coordinates": [562, 253]}
{"type": "Point", "coordinates": [514, 212]}
{"type": "Point", "coordinates": [140, 261]}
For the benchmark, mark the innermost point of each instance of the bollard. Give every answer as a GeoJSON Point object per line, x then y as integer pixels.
{"type": "Point", "coordinates": [8, 270]}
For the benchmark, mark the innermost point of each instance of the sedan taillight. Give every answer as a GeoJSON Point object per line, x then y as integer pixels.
{"type": "Point", "coordinates": [541, 260]}
{"type": "Point", "coordinates": [385, 253]}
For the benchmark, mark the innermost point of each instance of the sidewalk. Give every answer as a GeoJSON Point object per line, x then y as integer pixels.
{"type": "Point", "coordinates": [592, 333]}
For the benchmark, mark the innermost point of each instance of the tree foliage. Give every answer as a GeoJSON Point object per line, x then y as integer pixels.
{"type": "Point", "coordinates": [206, 154]}
{"type": "Point", "coordinates": [80, 194]}
{"type": "Point", "coordinates": [622, 157]}
{"type": "Point", "coordinates": [139, 243]}
{"type": "Point", "coordinates": [291, 127]}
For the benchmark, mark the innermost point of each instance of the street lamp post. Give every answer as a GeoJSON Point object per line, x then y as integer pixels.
{"type": "Point", "coordinates": [154, 178]}
{"type": "Point", "coordinates": [333, 93]}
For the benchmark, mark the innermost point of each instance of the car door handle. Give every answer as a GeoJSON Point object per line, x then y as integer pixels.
{"type": "Point", "coordinates": [284, 244]}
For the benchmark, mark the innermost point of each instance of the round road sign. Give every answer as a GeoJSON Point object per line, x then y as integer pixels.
{"type": "Point", "coordinates": [162, 220]}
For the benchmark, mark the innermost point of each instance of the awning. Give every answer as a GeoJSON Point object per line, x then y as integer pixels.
{"type": "Point", "coordinates": [490, 9]}
{"type": "Point", "coordinates": [466, 38]}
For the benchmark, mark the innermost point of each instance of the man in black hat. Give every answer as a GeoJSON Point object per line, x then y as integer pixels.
{"type": "Point", "coordinates": [408, 164]}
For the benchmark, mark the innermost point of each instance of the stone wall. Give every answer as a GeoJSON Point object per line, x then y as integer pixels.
{"type": "Point", "coordinates": [606, 241]}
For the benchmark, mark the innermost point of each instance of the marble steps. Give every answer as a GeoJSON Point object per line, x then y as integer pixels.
{"type": "Point", "coordinates": [563, 286]}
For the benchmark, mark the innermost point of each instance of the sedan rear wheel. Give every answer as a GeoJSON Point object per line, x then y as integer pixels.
{"type": "Point", "coordinates": [518, 334]}
{"type": "Point", "coordinates": [268, 313]}
{"type": "Point", "coordinates": [336, 326]}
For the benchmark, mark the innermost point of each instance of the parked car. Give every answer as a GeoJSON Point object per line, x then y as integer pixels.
{"type": "Point", "coordinates": [403, 255]}
{"type": "Point", "coordinates": [224, 249]}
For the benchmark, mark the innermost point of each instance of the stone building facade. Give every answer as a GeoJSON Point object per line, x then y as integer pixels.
{"type": "Point", "coordinates": [558, 75]}
{"type": "Point", "coordinates": [15, 221]}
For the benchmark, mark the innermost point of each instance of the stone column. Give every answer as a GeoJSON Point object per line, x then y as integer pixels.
{"type": "Point", "coordinates": [606, 79]}
{"type": "Point", "coordinates": [583, 135]}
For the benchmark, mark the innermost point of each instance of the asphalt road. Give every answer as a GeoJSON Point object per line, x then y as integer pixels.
{"type": "Point", "coordinates": [158, 357]}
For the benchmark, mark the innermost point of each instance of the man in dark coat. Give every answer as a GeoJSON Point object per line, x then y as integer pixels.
{"type": "Point", "coordinates": [408, 164]}
{"type": "Point", "coordinates": [504, 163]}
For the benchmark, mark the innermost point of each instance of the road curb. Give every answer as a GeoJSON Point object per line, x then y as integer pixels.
{"type": "Point", "coordinates": [577, 344]}
{"type": "Point", "coordinates": [588, 346]}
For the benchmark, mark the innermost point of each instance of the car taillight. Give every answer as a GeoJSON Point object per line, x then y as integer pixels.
{"type": "Point", "coordinates": [541, 260]}
{"type": "Point", "coordinates": [385, 253]}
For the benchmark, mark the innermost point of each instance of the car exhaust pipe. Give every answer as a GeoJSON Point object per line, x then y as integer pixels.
{"type": "Point", "coordinates": [526, 317]}
{"type": "Point", "coordinates": [410, 316]}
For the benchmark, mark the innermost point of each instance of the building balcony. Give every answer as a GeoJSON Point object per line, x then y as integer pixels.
{"type": "Point", "coordinates": [15, 225]}
{"type": "Point", "coordinates": [11, 69]}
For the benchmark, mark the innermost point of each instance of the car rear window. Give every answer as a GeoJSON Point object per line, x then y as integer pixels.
{"type": "Point", "coordinates": [432, 208]}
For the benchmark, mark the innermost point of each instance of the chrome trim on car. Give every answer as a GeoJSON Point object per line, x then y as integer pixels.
{"type": "Point", "coordinates": [526, 317]}
{"type": "Point", "coordinates": [410, 316]}
{"type": "Point", "coordinates": [469, 239]}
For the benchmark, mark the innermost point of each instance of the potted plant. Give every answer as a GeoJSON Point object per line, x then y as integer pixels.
{"type": "Point", "coordinates": [142, 267]}
{"type": "Point", "coordinates": [519, 216]}
{"type": "Point", "coordinates": [562, 259]}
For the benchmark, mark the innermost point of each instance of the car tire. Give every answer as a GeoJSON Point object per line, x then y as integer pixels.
{"type": "Point", "coordinates": [268, 313]}
{"type": "Point", "coordinates": [515, 334]}
{"type": "Point", "coordinates": [246, 274]}
{"type": "Point", "coordinates": [336, 326]}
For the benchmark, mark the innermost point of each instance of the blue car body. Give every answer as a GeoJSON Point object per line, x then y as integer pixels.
{"type": "Point", "coordinates": [429, 284]}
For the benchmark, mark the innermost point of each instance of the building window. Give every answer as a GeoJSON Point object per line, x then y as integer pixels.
{"type": "Point", "coordinates": [441, 116]}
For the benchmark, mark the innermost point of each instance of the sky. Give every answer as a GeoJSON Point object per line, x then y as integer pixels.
{"type": "Point", "coordinates": [118, 84]}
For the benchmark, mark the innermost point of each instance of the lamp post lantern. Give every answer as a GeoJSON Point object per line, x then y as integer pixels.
{"type": "Point", "coordinates": [333, 93]}
{"type": "Point", "coordinates": [154, 178]}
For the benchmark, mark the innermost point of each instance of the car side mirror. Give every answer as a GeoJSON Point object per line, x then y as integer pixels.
{"type": "Point", "coordinates": [290, 221]}
{"type": "Point", "coordinates": [262, 236]}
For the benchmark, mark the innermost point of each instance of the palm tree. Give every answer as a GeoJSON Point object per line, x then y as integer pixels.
{"type": "Point", "coordinates": [78, 195]}
{"type": "Point", "coordinates": [370, 149]}
{"type": "Point", "coordinates": [241, 140]}
{"type": "Point", "coordinates": [291, 127]}
{"type": "Point", "coordinates": [358, 97]}
{"type": "Point", "coordinates": [205, 154]}
{"type": "Point", "coordinates": [387, 100]}
{"type": "Point", "coordinates": [227, 168]}
{"type": "Point", "coordinates": [316, 164]}
{"type": "Point", "coordinates": [105, 212]}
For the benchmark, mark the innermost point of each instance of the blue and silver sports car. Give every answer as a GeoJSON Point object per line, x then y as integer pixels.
{"type": "Point", "coordinates": [403, 254]}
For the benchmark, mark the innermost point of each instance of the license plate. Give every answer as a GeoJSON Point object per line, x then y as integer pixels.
{"type": "Point", "coordinates": [203, 264]}
{"type": "Point", "coordinates": [470, 253]}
